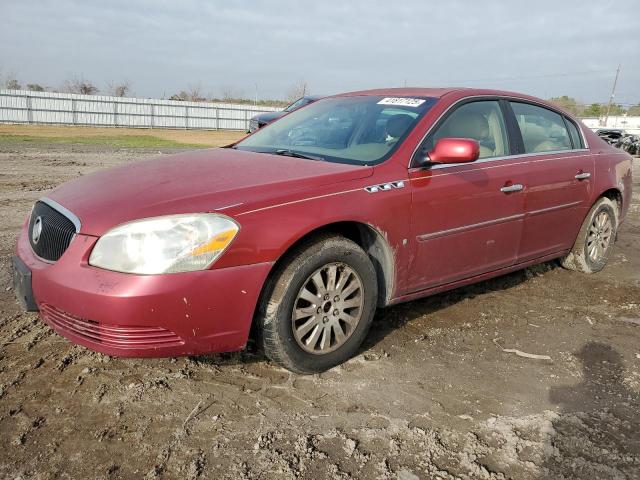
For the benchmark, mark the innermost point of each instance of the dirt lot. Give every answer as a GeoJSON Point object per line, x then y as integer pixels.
{"type": "Point", "coordinates": [431, 394]}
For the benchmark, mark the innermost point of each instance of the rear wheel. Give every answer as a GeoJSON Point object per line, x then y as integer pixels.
{"type": "Point", "coordinates": [595, 240]}
{"type": "Point", "coordinates": [319, 305]}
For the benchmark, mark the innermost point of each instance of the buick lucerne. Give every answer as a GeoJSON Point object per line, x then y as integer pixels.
{"type": "Point", "coordinates": [304, 228]}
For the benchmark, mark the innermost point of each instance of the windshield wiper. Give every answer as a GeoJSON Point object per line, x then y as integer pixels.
{"type": "Point", "coordinates": [292, 153]}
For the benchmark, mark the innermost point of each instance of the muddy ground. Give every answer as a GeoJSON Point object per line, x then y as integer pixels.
{"type": "Point", "coordinates": [432, 395]}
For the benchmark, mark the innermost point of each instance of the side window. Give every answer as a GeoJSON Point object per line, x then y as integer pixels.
{"type": "Point", "coordinates": [542, 130]}
{"type": "Point", "coordinates": [481, 121]}
{"type": "Point", "coordinates": [576, 139]}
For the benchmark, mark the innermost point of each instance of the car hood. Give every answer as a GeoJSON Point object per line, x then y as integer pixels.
{"type": "Point", "coordinates": [269, 116]}
{"type": "Point", "coordinates": [202, 181]}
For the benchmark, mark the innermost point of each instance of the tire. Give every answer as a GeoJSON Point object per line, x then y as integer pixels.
{"type": "Point", "coordinates": [301, 345]}
{"type": "Point", "coordinates": [582, 257]}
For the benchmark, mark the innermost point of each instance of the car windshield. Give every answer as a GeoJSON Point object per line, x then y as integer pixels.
{"type": "Point", "coordinates": [361, 130]}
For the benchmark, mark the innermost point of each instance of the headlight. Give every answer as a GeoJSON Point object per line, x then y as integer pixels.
{"type": "Point", "coordinates": [170, 244]}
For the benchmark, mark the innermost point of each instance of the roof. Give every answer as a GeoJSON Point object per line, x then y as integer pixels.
{"type": "Point", "coordinates": [406, 92]}
{"type": "Point", "coordinates": [436, 92]}
{"type": "Point", "coordinates": [459, 92]}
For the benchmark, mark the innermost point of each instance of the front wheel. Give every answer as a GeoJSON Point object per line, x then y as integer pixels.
{"type": "Point", "coordinates": [595, 240]}
{"type": "Point", "coordinates": [319, 305]}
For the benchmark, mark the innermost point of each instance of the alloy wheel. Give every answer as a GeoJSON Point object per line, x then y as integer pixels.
{"type": "Point", "coordinates": [599, 236]}
{"type": "Point", "coordinates": [328, 308]}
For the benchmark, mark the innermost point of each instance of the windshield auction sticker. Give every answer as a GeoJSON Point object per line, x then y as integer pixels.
{"type": "Point", "coordinates": [402, 101]}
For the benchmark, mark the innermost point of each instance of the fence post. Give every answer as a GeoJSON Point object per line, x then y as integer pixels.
{"type": "Point", "coordinates": [153, 108]}
{"type": "Point", "coordinates": [29, 110]}
{"type": "Point", "coordinates": [217, 118]}
{"type": "Point", "coordinates": [74, 114]}
{"type": "Point", "coordinates": [186, 117]}
{"type": "Point", "coordinates": [246, 122]}
{"type": "Point", "coordinates": [115, 113]}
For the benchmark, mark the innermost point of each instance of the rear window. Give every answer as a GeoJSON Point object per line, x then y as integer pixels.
{"type": "Point", "coordinates": [542, 130]}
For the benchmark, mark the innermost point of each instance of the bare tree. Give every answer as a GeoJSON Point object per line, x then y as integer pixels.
{"type": "Point", "coordinates": [568, 103]}
{"type": "Point", "coordinates": [230, 94]}
{"type": "Point", "coordinates": [120, 89]}
{"type": "Point", "coordinates": [12, 82]}
{"type": "Point", "coordinates": [195, 93]}
{"type": "Point", "coordinates": [297, 90]}
{"type": "Point", "coordinates": [181, 96]}
{"type": "Point", "coordinates": [191, 95]}
{"type": "Point", "coordinates": [80, 85]}
{"type": "Point", "coordinates": [35, 87]}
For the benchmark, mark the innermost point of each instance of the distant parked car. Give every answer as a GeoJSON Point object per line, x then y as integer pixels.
{"type": "Point", "coordinates": [263, 119]}
{"type": "Point", "coordinates": [610, 135]}
{"type": "Point", "coordinates": [630, 144]}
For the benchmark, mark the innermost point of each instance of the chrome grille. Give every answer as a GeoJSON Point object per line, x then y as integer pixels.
{"type": "Point", "coordinates": [50, 232]}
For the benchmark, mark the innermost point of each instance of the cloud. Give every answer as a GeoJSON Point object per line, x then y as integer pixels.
{"type": "Point", "coordinates": [544, 48]}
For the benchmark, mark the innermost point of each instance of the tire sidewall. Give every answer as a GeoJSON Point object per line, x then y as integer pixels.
{"type": "Point", "coordinates": [603, 206]}
{"type": "Point", "coordinates": [296, 276]}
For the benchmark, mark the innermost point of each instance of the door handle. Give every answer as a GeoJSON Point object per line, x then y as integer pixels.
{"type": "Point", "coordinates": [516, 187]}
{"type": "Point", "coordinates": [582, 176]}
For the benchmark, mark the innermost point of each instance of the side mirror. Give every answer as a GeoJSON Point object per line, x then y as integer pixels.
{"type": "Point", "coordinates": [455, 150]}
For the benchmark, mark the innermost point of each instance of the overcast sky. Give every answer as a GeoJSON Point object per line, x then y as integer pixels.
{"type": "Point", "coordinates": [545, 48]}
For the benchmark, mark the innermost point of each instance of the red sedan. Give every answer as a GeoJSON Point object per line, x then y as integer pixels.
{"type": "Point", "coordinates": [306, 227]}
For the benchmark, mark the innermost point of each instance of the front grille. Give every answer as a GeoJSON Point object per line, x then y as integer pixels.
{"type": "Point", "coordinates": [118, 336]}
{"type": "Point", "coordinates": [54, 232]}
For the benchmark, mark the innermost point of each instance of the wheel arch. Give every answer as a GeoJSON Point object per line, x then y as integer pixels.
{"type": "Point", "coordinates": [615, 195]}
{"type": "Point", "coordinates": [370, 239]}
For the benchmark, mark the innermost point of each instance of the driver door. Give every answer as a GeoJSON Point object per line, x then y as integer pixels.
{"type": "Point", "coordinates": [467, 219]}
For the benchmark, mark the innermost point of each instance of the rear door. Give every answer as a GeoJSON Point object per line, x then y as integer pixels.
{"type": "Point", "coordinates": [559, 182]}
{"type": "Point", "coordinates": [467, 219]}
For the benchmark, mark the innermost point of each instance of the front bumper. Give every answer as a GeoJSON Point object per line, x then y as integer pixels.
{"type": "Point", "coordinates": [143, 315]}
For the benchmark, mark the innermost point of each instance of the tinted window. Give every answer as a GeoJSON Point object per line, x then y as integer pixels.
{"type": "Point", "coordinates": [576, 139]}
{"type": "Point", "coordinates": [542, 130]}
{"type": "Point", "coordinates": [481, 121]}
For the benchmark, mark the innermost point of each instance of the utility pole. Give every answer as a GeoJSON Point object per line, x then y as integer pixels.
{"type": "Point", "coordinates": [613, 94]}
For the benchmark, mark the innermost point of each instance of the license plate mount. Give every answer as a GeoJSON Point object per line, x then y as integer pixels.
{"type": "Point", "coordinates": [22, 285]}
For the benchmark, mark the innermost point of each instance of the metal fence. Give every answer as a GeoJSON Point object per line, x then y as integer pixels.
{"type": "Point", "coordinates": [48, 108]}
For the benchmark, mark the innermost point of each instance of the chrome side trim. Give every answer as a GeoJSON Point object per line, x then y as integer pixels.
{"type": "Point", "coordinates": [497, 221]}
{"type": "Point", "coordinates": [228, 206]}
{"type": "Point", "coordinates": [293, 202]}
{"type": "Point", "coordinates": [64, 211]}
{"type": "Point", "coordinates": [499, 97]}
{"type": "Point", "coordinates": [579, 124]}
{"type": "Point", "coordinates": [552, 209]}
{"type": "Point", "coordinates": [442, 233]}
